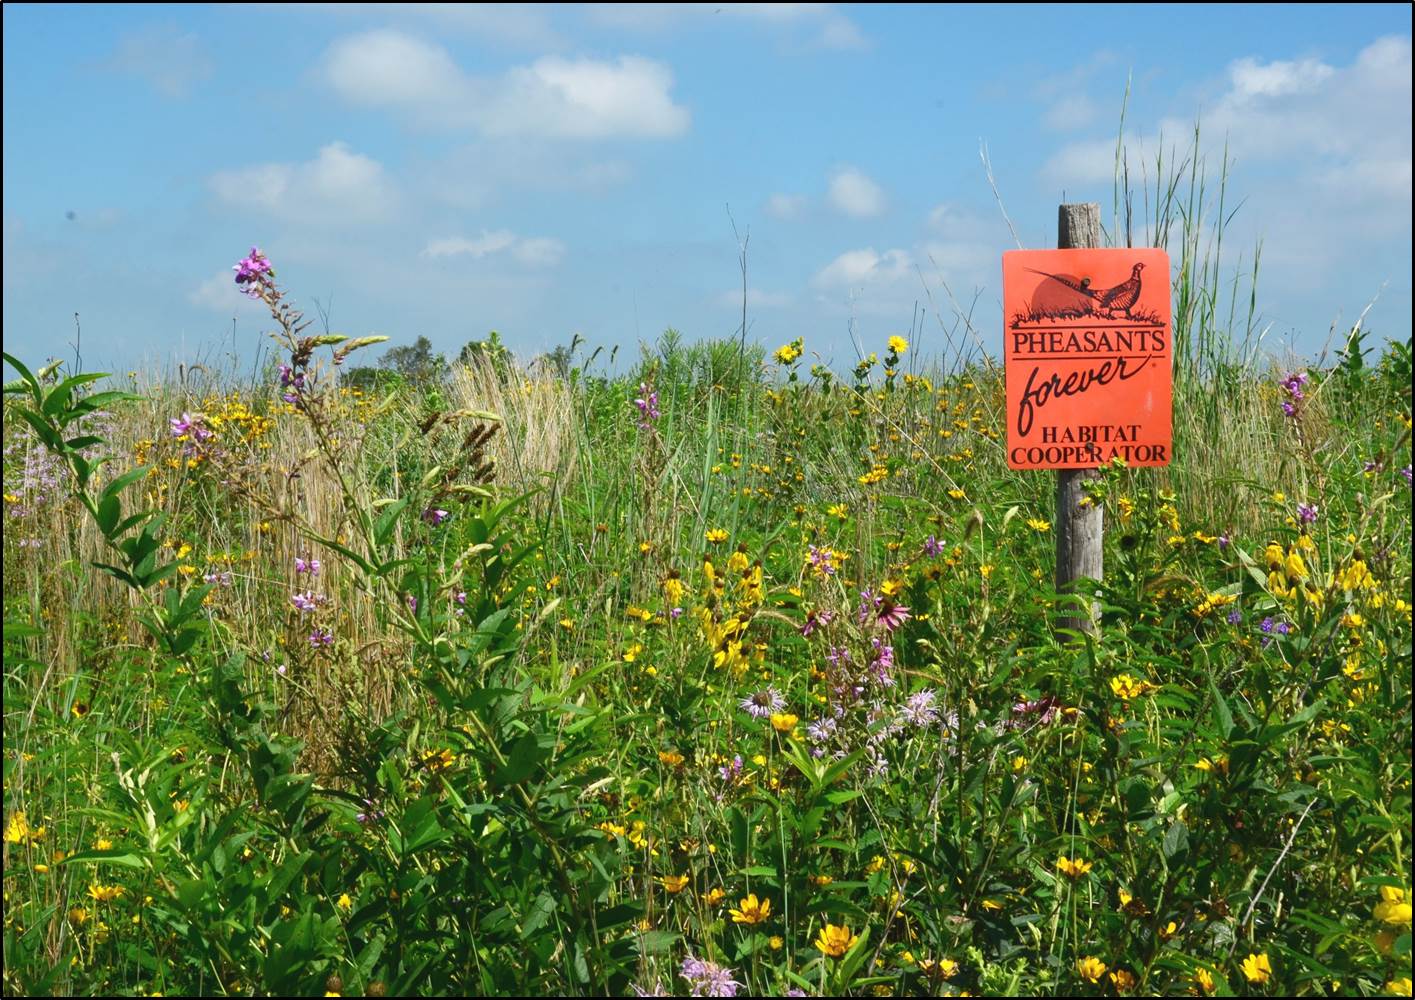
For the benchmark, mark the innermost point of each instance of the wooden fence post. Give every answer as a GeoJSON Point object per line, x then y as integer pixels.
{"type": "Point", "coordinates": [1079, 529]}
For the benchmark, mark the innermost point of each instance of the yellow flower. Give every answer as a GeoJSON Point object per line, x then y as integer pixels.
{"type": "Point", "coordinates": [670, 757]}
{"type": "Point", "coordinates": [345, 903]}
{"type": "Point", "coordinates": [674, 884]}
{"type": "Point", "coordinates": [1123, 980]}
{"type": "Point", "coordinates": [776, 942]}
{"type": "Point", "coordinates": [1072, 868]}
{"type": "Point", "coordinates": [783, 722]}
{"type": "Point", "coordinates": [714, 895]}
{"type": "Point", "coordinates": [1399, 987]}
{"type": "Point", "coordinates": [1090, 969]}
{"type": "Point", "coordinates": [105, 893]}
{"type": "Point", "coordinates": [1126, 687]}
{"type": "Point", "coordinates": [716, 535]}
{"type": "Point", "coordinates": [898, 344]}
{"type": "Point", "coordinates": [751, 910]}
{"type": "Point", "coordinates": [1204, 979]}
{"type": "Point", "coordinates": [1257, 969]}
{"type": "Point", "coordinates": [835, 941]}
{"type": "Point", "coordinates": [1394, 907]}
{"type": "Point", "coordinates": [788, 353]}
{"type": "Point", "coordinates": [1037, 524]}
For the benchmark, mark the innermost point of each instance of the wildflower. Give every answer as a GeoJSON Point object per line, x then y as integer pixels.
{"type": "Point", "coordinates": [321, 637]}
{"type": "Point", "coordinates": [673, 884]}
{"type": "Point", "coordinates": [1090, 969]}
{"type": "Point", "coordinates": [306, 601]}
{"type": "Point", "coordinates": [834, 941]}
{"type": "Point", "coordinates": [714, 895]}
{"type": "Point", "coordinates": [708, 979]}
{"type": "Point", "coordinates": [647, 405]}
{"type": "Point", "coordinates": [751, 910]}
{"type": "Point", "coordinates": [763, 704]}
{"type": "Point", "coordinates": [932, 546]}
{"type": "Point", "coordinates": [435, 516]}
{"type": "Point", "coordinates": [788, 353]}
{"type": "Point", "coordinates": [1306, 512]}
{"type": "Point", "coordinates": [345, 903]}
{"type": "Point", "coordinates": [310, 566]}
{"type": "Point", "coordinates": [1204, 980]}
{"type": "Point", "coordinates": [892, 615]}
{"type": "Point", "coordinates": [1126, 687]}
{"type": "Point", "coordinates": [898, 345]}
{"type": "Point", "coordinates": [253, 272]}
{"type": "Point", "coordinates": [715, 535]}
{"type": "Point", "coordinates": [783, 722]}
{"type": "Point", "coordinates": [1394, 907]}
{"type": "Point", "coordinates": [1399, 987]}
{"type": "Point", "coordinates": [1038, 525]}
{"type": "Point", "coordinates": [1072, 868]}
{"type": "Point", "coordinates": [105, 893]}
{"type": "Point", "coordinates": [1123, 980]}
{"type": "Point", "coordinates": [18, 830]}
{"type": "Point", "coordinates": [920, 711]}
{"type": "Point", "coordinates": [1257, 969]}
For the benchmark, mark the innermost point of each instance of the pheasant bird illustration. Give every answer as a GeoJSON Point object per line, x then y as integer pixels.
{"type": "Point", "coordinates": [1122, 297]}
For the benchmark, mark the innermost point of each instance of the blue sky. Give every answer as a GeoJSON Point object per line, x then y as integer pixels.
{"type": "Point", "coordinates": [416, 169]}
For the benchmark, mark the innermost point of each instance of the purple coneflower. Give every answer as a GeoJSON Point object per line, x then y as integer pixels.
{"type": "Point", "coordinates": [892, 615]}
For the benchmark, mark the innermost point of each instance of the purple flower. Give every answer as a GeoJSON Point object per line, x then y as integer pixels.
{"type": "Point", "coordinates": [647, 405]}
{"type": "Point", "coordinates": [1224, 541]}
{"type": "Point", "coordinates": [1045, 709]}
{"type": "Point", "coordinates": [253, 272]}
{"type": "Point", "coordinates": [189, 426]}
{"type": "Point", "coordinates": [1406, 473]}
{"type": "Point", "coordinates": [222, 578]}
{"type": "Point", "coordinates": [920, 711]}
{"type": "Point", "coordinates": [306, 601]}
{"type": "Point", "coordinates": [310, 566]}
{"type": "Point", "coordinates": [762, 704]}
{"type": "Point", "coordinates": [816, 619]}
{"type": "Point", "coordinates": [1235, 616]}
{"type": "Point", "coordinates": [435, 516]}
{"type": "Point", "coordinates": [932, 546]}
{"type": "Point", "coordinates": [821, 561]}
{"type": "Point", "coordinates": [892, 615]}
{"type": "Point", "coordinates": [708, 979]}
{"type": "Point", "coordinates": [321, 637]}
{"type": "Point", "coordinates": [730, 772]}
{"type": "Point", "coordinates": [1306, 512]}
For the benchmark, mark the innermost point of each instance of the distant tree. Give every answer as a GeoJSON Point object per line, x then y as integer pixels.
{"type": "Point", "coordinates": [415, 361]}
{"type": "Point", "coordinates": [491, 350]}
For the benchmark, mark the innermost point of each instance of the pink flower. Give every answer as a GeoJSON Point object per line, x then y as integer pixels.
{"type": "Point", "coordinates": [892, 615]}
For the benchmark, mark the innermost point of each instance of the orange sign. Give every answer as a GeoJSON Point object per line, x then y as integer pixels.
{"type": "Point", "coordinates": [1088, 352]}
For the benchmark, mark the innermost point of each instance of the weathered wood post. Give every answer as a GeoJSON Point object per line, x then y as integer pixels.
{"type": "Point", "coordinates": [1079, 529]}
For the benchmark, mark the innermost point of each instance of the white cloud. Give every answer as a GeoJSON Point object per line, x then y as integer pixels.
{"type": "Point", "coordinates": [536, 251]}
{"type": "Point", "coordinates": [756, 299]}
{"type": "Point", "coordinates": [1070, 113]}
{"type": "Point", "coordinates": [856, 269]}
{"type": "Point", "coordinates": [220, 294]}
{"type": "Point", "coordinates": [553, 97]}
{"type": "Point", "coordinates": [785, 206]}
{"type": "Point", "coordinates": [173, 62]}
{"type": "Point", "coordinates": [338, 184]}
{"type": "Point", "coordinates": [1305, 113]}
{"type": "Point", "coordinates": [854, 194]}
{"type": "Point", "coordinates": [818, 24]}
